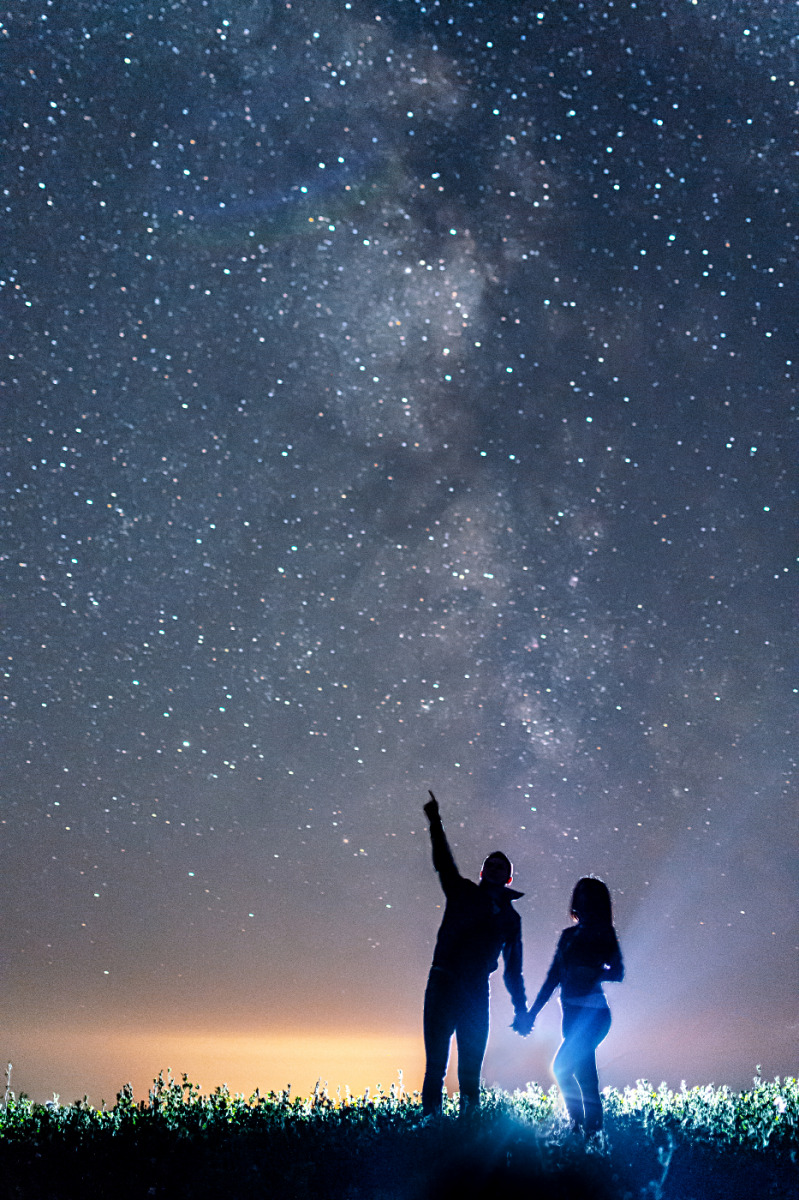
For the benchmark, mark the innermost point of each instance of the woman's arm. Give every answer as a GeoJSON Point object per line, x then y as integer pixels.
{"type": "Point", "coordinates": [550, 983]}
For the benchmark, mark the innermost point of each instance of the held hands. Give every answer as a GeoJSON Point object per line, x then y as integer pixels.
{"type": "Point", "coordinates": [523, 1023]}
{"type": "Point", "coordinates": [431, 808]}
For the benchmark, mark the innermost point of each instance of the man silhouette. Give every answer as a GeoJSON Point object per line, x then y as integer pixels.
{"type": "Point", "coordinates": [478, 925]}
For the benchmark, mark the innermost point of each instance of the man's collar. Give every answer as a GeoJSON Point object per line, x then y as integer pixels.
{"type": "Point", "coordinates": [501, 889]}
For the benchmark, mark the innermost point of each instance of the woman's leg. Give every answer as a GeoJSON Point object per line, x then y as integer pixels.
{"type": "Point", "coordinates": [574, 1067]}
{"type": "Point", "coordinates": [595, 1030]}
{"type": "Point", "coordinates": [563, 1068]}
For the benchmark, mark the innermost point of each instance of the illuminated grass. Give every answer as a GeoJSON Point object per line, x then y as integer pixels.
{"type": "Point", "coordinates": [704, 1141]}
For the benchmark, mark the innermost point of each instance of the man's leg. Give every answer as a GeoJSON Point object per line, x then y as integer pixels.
{"type": "Point", "coordinates": [439, 1026]}
{"type": "Point", "coordinates": [472, 1035]}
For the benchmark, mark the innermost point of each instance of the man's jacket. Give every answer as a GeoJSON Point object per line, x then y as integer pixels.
{"type": "Point", "coordinates": [479, 924]}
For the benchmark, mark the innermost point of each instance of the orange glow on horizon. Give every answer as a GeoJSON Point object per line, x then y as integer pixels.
{"type": "Point", "coordinates": [78, 1062]}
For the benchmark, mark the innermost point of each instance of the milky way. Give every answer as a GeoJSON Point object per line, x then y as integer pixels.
{"type": "Point", "coordinates": [398, 396]}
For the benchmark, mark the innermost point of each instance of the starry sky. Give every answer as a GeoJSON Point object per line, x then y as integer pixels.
{"type": "Point", "coordinates": [396, 396]}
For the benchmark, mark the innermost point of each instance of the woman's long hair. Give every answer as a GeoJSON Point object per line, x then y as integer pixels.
{"type": "Point", "coordinates": [590, 902]}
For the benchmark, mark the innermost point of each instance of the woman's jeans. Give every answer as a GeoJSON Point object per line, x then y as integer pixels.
{"type": "Point", "coordinates": [574, 1066]}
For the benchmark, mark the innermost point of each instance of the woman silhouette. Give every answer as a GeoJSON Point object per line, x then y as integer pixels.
{"type": "Point", "coordinates": [587, 954]}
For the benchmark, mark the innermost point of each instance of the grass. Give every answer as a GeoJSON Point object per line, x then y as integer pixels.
{"type": "Point", "coordinates": [659, 1144]}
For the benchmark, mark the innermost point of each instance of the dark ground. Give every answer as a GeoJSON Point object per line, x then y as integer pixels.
{"type": "Point", "coordinates": [381, 1158]}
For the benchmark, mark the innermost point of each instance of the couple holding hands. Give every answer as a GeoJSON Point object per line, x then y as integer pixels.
{"type": "Point", "coordinates": [478, 925]}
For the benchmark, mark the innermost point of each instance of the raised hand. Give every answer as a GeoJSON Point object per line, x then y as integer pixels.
{"type": "Point", "coordinates": [431, 808]}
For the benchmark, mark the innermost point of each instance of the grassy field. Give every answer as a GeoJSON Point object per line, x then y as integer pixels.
{"type": "Point", "coordinates": [658, 1144]}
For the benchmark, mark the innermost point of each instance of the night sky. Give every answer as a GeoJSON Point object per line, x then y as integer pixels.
{"type": "Point", "coordinates": [396, 396]}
